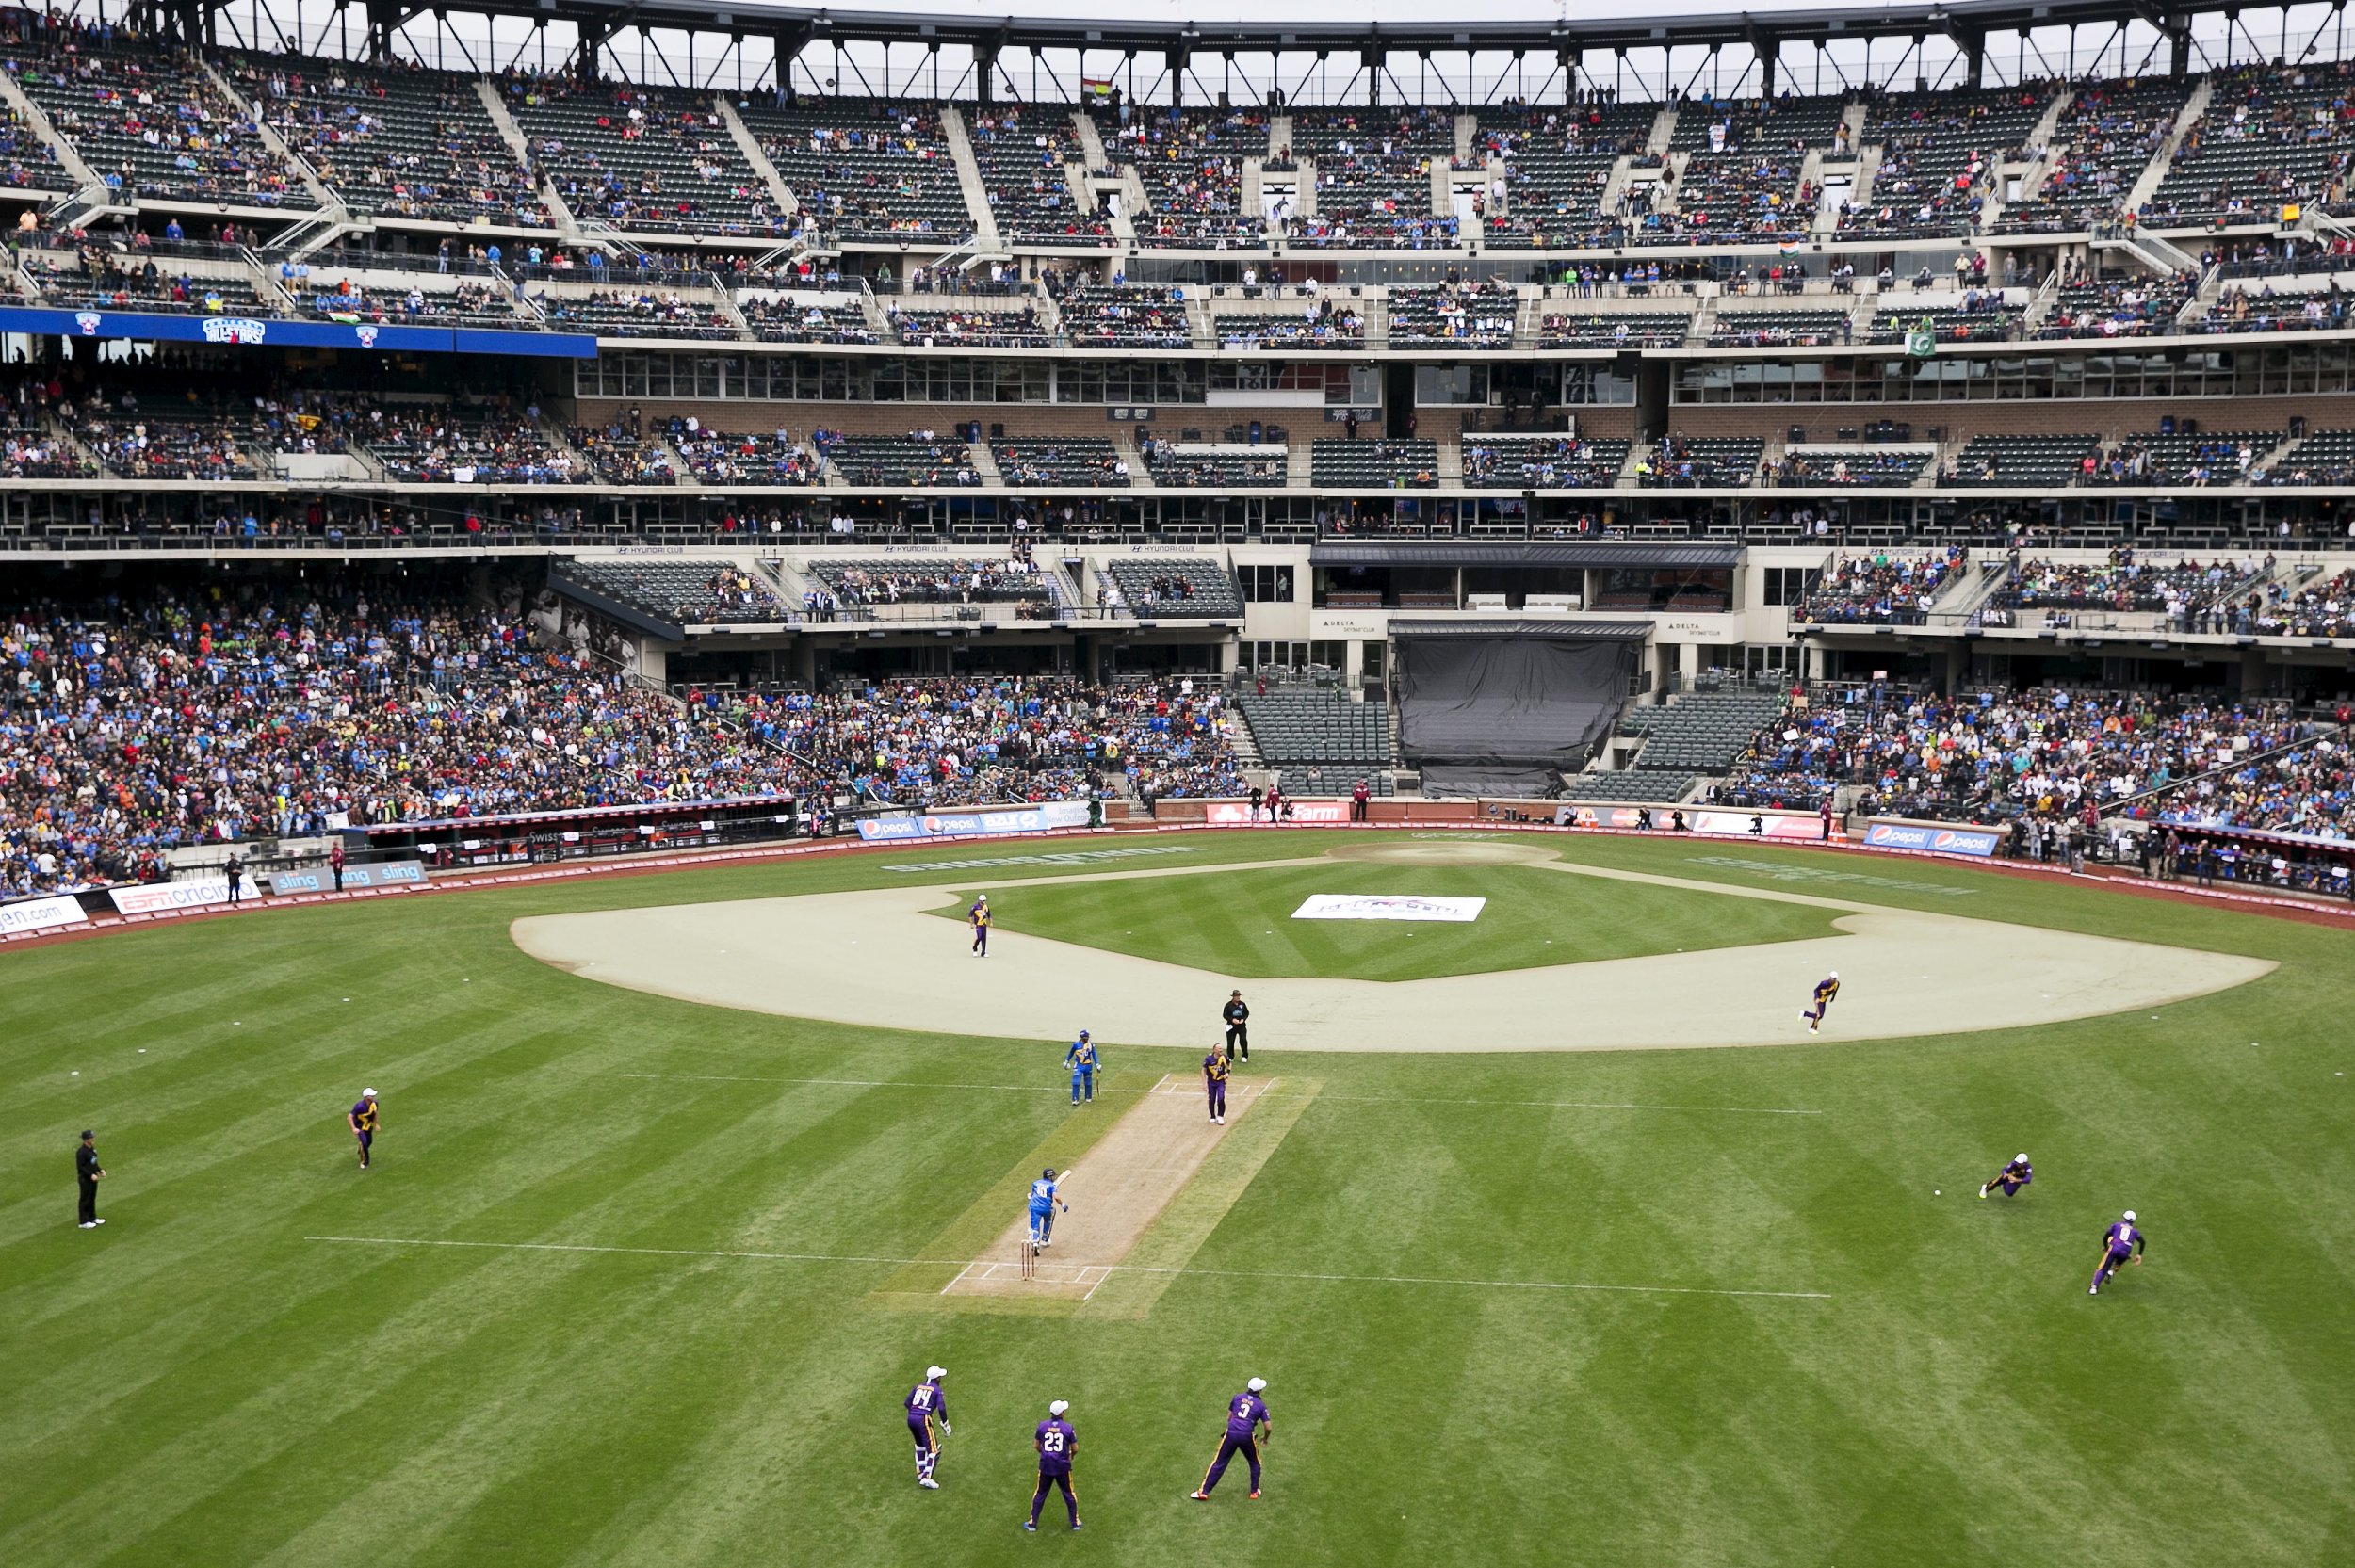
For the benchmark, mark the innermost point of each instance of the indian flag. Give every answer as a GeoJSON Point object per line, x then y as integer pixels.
{"type": "Point", "coordinates": [1790, 247]}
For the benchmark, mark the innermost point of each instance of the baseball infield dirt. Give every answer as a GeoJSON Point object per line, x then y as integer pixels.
{"type": "Point", "coordinates": [877, 958]}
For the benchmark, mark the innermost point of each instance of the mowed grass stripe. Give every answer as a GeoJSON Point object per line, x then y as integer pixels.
{"type": "Point", "coordinates": [1240, 922]}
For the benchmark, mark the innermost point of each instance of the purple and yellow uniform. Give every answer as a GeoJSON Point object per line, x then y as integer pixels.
{"type": "Point", "coordinates": [2119, 1243]}
{"type": "Point", "coordinates": [1214, 1083]}
{"type": "Point", "coordinates": [2015, 1175]}
{"type": "Point", "coordinates": [362, 1119]}
{"type": "Point", "coordinates": [1246, 1412]}
{"type": "Point", "coordinates": [978, 918]}
{"type": "Point", "coordinates": [928, 1418]}
{"type": "Point", "coordinates": [1826, 989]}
{"type": "Point", "coordinates": [1056, 1444]}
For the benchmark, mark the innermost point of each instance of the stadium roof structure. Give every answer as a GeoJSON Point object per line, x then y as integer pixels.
{"type": "Point", "coordinates": [793, 28]}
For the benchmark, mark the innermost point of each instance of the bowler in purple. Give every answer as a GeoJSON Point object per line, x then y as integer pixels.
{"type": "Point", "coordinates": [1056, 1444]}
{"type": "Point", "coordinates": [2011, 1178]}
{"type": "Point", "coordinates": [1246, 1424]}
{"type": "Point", "coordinates": [928, 1423]}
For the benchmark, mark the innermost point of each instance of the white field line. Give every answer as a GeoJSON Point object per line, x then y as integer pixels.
{"type": "Point", "coordinates": [960, 1279]}
{"type": "Point", "coordinates": [1110, 1269]}
{"type": "Point", "coordinates": [1165, 1087]}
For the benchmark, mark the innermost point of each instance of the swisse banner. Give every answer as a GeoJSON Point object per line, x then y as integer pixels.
{"type": "Point", "coordinates": [196, 893]}
{"type": "Point", "coordinates": [976, 824]}
{"type": "Point", "coordinates": [39, 915]}
{"type": "Point", "coordinates": [1230, 814]}
{"type": "Point", "coordinates": [1366, 906]}
{"type": "Point", "coordinates": [1710, 822]}
{"type": "Point", "coordinates": [321, 879]}
{"type": "Point", "coordinates": [1933, 838]}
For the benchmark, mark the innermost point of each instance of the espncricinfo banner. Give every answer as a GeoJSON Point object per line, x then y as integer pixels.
{"type": "Point", "coordinates": [1357, 906]}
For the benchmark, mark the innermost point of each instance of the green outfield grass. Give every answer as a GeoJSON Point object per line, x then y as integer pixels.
{"type": "Point", "coordinates": [199, 1382]}
{"type": "Point", "coordinates": [1241, 925]}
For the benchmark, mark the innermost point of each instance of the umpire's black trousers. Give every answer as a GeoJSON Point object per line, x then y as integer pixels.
{"type": "Point", "coordinates": [90, 1201]}
{"type": "Point", "coordinates": [1239, 1040]}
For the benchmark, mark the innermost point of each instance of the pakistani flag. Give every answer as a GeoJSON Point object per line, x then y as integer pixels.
{"type": "Point", "coordinates": [1921, 342]}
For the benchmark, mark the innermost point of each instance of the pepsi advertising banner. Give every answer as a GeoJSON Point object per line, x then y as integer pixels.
{"type": "Point", "coordinates": [261, 332]}
{"type": "Point", "coordinates": [1931, 838]}
{"type": "Point", "coordinates": [974, 824]}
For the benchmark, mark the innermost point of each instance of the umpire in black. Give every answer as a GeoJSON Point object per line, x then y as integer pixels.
{"type": "Point", "coordinates": [87, 1171]}
{"type": "Point", "coordinates": [1237, 1018]}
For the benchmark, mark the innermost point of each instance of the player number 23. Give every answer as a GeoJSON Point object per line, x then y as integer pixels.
{"type": "Point", "coordinates": [1052, 1442]}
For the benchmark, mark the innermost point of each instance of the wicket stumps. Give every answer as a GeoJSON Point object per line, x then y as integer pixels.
{"type": "Point", "coordinates": [1026, 1258]}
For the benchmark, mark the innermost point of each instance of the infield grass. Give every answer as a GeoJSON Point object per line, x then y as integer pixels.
{"type": "Point", "coordinates": [1242, 924]}
{"type": "Point", "coordinates": [201, 1382]}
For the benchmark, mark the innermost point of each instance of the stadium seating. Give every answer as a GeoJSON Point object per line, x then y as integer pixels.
{"type": "Point", "coordinates": [864, 169]}
{"type": "Point", "coordinates": [122, 106]}
{"type": "Point", "coordinates": [1322, 320]}
{"type": "Point", "coordinates": [640, 159]}
{"type": "Point", "coordinates": [721, 457]}
{"type": "Point", "coordinates": [2030, 461]}
{"type": "Point", "coordinates": [2268, 139]}
{"type": "Point", "coordinates": [1191, 164]}
{"type": "Point", "coordinates": [912, 460]}
{"type": "Point", "coordinates": [980, 329]}
{"type": "Point", "coordinates": [1879, 591]}
{"type": "Point", "coordinates": [1217, 468]}
{"type": "Point", "coordinates": [1753, 328]}
{"type": "Point", "coordinates": [1659, 784]}
{"type": "Point", "coordinates": [804, 317]}
{"type": "Point", "coordinates": [1161, 588]}
{"type": "Point", "coordinates": [1557, 161]}
{"type": "Point", "coordinates": [2107, 136]}
{"type": "Point", "coordinates": [1132, 316]}
{"type": "Point", "coordinates": [1938, 152]}
{"type": "Point", "coordinates": [1541, 462]}
{"type": "Point", "coordinates": [1371, 463]}
{"type": "Point", "coordinates": [402, 142]}
{"type": "Point", "coordinates": [1294, 729]}
{"type": "Point", "coordinates": [1703, 732]}
{"type": "Point", "coordinates": [1468, 317]}
{"type": "Point", "coordinates": [1079, 463]}
{"type": "Point", "coordinates": [685, 593]}
{"type": "Point", "coordinates": [1598, 329]}
{"type": "Point", "coordinates": [1686, 463]}
{"type": "Point", "coordinates": [1023, 155]}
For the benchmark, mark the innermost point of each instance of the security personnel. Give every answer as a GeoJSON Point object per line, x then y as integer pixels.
{"type": "Point", "coordinates": [87, 1172]}
{"type": "Point", "coordinates": [1237, 1018]}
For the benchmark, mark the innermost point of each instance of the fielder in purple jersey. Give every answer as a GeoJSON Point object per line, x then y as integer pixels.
{"type": "Point", "coordinates": [2011, 1178]}
{"type": "Point", "coordinates": [2120, 1243]}
{"type": "Point", "coordinates": [928, 1422]}
{"type": "Point", "coordinates": [1056, 1444]}
{"type": "Point", "coordinates": [1247, 1423]}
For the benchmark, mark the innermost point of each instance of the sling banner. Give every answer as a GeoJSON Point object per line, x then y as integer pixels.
{"type": "Point", "coordinates": [375, 874]}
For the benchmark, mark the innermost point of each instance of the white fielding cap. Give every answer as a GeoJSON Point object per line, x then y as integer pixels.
{"type": "Point", "coordinates": [2129, 1217]}
{"type": "Point", "coordinates": [368, 1095]}
{"type": "Point", "coordinates": [1835, 974]}
{"type": "Point", "coordinates": [932, 1372]}
{"type": "Point", "coordinates": [2022, 1159]}
{"type": "Point", "coordinates": [1256, 1384]}
{"type": "Point", "coordinates": [1057, 1407]}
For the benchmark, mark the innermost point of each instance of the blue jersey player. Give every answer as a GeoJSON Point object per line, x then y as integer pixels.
{"type": "Point", "coordinates": [928, 1423]}
{"type": "Point", "coordinates": [1056, 1444]}
{"type": "Point", "coordinates": [2119, 1243]}
{"type": "Point", "coordinates": [1247, 1427]}
{"type": "Point", "coordinates": [1042, 1206]}
{"type": "Point", "coordinates": [2011, 1178]}
{"type": "Point", "coordinates": [1826, 989]}
{"type": "Point", "coordinates": [1082, 1060]}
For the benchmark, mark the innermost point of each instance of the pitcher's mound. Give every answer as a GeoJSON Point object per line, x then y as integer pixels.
{"type": "Point", "coordinates": [1461, 851]}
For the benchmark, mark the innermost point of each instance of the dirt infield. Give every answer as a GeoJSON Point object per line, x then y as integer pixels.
{"type": "Point", "coordinates": [1115, 1193]}
{"type": "Point", "coordinates": [877, 958]}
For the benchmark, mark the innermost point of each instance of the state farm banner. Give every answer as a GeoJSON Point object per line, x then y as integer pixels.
{"type": "Point", "coordinates": [195, 892]}
{"type": "Point", "coordinates": [39, 915]}
{"type": "Point", "coordinates": [1933, 838]}
{"type": "Point", "coordinates": [975, 824]}
{"type": "Point", "coordinates": [1707, 821]}
{"type": "Point", "coordinates": [1235, 814]}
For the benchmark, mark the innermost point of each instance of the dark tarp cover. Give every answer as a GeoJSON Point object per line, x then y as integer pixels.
{"type": "Point", "coordinates": [1448, 780]}
{"type": "Point", "coordinates": [1508, 701]}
